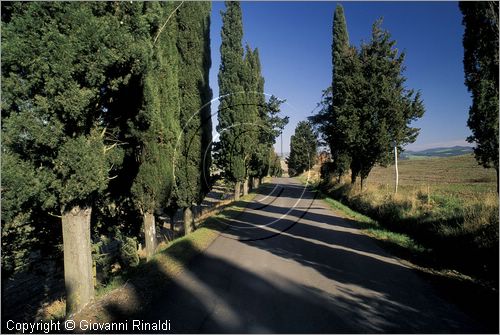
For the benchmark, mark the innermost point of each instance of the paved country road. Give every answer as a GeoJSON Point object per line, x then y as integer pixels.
{"type": "Point", "coordinates": [288, 264]}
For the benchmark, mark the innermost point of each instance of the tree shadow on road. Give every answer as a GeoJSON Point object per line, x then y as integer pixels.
{"type": "Point", "coordinates": [345, 284]}
{"type": "Point", "coordinates": [217, 296]}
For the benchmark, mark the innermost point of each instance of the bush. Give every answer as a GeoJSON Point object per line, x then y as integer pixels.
{"type": "Point", "coordinates": [112, 255]}
{"type": "Point", "coordinates": [128, 253]}
{"type": "Point", "coordinates": [104, 259]}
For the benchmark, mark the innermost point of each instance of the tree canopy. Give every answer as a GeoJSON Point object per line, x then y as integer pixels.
{"type": "Point", "coordinates": [368, 110]}
{"type": "Point", "coordinates": [90, 119]}
{"type": "Point", "coordinates": [303, 145]}
{"type": "Point", "coordinates": [192, 151]}
{"type": "Point", "coordinates": [231, 149]}
{"type": "Point", "coordinates": [480, 43]}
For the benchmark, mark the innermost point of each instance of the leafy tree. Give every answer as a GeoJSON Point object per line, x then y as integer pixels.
{"type": "Point", "coordinates": [302, 149]}
{"type": "Point", "coordinates": [480, 43]}
{"type": "Point", "coordinates": [193, 148]}
{"type": "Point", "coordinates": [231, 147]}
{"type": "Point", "coordinates": [57, 77]}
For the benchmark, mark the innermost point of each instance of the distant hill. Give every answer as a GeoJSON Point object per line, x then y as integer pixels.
{"type": "Point", "coordinates": [437, 152]}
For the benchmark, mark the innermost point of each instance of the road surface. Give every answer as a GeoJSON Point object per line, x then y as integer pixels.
{"type": "Point", "coordinates": [288, 264]}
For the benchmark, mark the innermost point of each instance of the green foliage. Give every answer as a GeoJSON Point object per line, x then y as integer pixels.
{"type": "Point", "coordinates": [103, 260]}
{"type": "Point", "coordinates": [231, 149]}
{"type": "Point", "coordinates": [193, 147]}
{"type": "Point", "coordinates": [368, 110]}
{"type": "Point", "coordinates": [333, 129]}
{"type": "Point", "coordinates": [275, 169]}
{"type": "Point", "coordinates": [81, 168]}
{"type": "Point", "coordinates": [336, 120]}
{"type": "Point", "coordinates": [59, 71]}
{"type": "Point", "coordinates": [51, 121]}
{"type": "Point", "coordinates": [386, 107]}
{"type": "Point", "coordinates": [18, 239]}
{"type": "Point", "coordinates": [157, 125]}
{"type": "Point", "coordinates": [128, 253]}
{"type": "Point", "coordinates": [90, 117]}
{"type": "Point", "coordinates": [302, 149]}
{"type": "Point", "coordinates": [481, 77]}
{"type": "Point", "coordinates": [113, 254]}
{"type": "Point", "coordinates": [253, 84]}
{"type": "Point", "coordinates": [271, 125]}
{"type": "Point", "coordinates": [248, 125]}
{"type": "Point", "coordinates": [268, 123]}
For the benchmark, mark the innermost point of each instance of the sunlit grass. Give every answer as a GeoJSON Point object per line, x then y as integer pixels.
{"type": "Point", "coordinates": [447, 207]}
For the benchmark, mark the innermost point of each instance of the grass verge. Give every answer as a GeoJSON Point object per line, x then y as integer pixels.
{"type": "Point", "coordinates": [397, 242]}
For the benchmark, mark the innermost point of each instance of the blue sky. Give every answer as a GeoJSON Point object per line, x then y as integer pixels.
{"type": "Point", "coordinates": [294, 41]}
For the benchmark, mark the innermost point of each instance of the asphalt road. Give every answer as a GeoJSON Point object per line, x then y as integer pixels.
{"type": "Point", "coordinates": [288, 264]}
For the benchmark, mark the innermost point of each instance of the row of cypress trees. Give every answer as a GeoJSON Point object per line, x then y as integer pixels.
{"type": "Point", "coordinates": [367, 111]}
{"type": "Point", "coordinates": [248, 123]}
{"type": "Point", "coordinates": [105, 111]}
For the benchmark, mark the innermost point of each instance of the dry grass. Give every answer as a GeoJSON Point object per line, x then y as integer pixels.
{"type": "Point", "coordinates": [460, 176]}
{"type": "Point", "coordinates": [448, 205]}
{"type": "Point", "coordinates": [54, 310]}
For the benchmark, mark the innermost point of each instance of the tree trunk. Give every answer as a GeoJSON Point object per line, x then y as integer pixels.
{"type": "Point", "coordinates": [362, 182]}
{"type": "Point", "coordinates": [245, 187]}
{"type": "Point", "coordinates": [78, 269]}
{"type": "Point", "coordinates": [149, 234]}
{"type": "Point", "coordinates": [260, 180]}
{"type": "Point", "coordinates": [237, 187]}
{"type": "Point", "coordinates": [256, 183]}
{"type": "Point", "coordinates": [251, 183]}
{"type": "Point", "coordinates": [188, 221]}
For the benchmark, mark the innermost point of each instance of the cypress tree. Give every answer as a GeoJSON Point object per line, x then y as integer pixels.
{"type": "Point", "coordinates": [303, 145]}
{"type": "Point", "coordinates": [156, 124]}
{"type": "Point", "coordinates": [193, 147]}
{"type": "Point", "coordinates": [268, 123]}
{"type": "Point", "coordinates": [253, 84]}
{"type": "Point", "coordinates": [336, 120]}
{"type": "Point", "coordinates": [384, 107]}
{"type": "Point", "coordinates": [57, 61]}
{"type": "Point", "coordinates": [232, 153]}
{"type": "Point", "coordinates": [480, 43]}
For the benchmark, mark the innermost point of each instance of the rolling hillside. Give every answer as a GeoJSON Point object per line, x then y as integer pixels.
{"type": "Point", "coordinates": [437, 152]}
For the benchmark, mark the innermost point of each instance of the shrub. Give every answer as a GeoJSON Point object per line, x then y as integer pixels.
{"type": "Point", "coordinates": [128, 253]}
